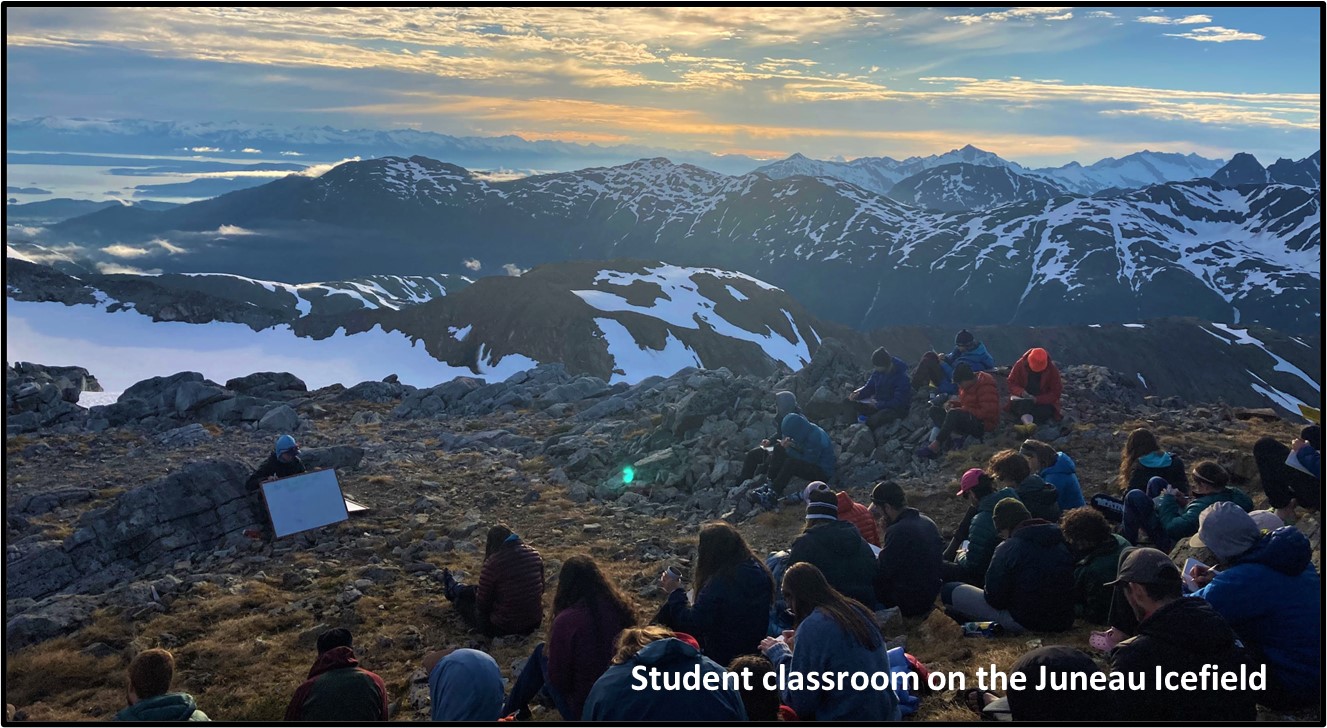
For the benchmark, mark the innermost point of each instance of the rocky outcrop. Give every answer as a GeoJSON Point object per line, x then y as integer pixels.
{"type": "Point", "coordinates": [39, 396]}
{"type": "Point", "coordinates": [165, 403]}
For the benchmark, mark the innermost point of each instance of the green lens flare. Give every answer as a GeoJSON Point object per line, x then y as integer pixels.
{"type": "Point", "coordinates": [628, 474]}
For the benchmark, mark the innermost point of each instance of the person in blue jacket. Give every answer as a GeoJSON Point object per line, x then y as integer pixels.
{"type": "Point", "coordinates": [970, 351]}
{"type": "Point", "coordinates": [834, 633]}
{"type": "Point", "coordinates": [886, 395]}
{"type": "Point", "coordinates": [1269, 592]}
{"type": "Point", "coordinates": [615, 699]}
{"type": "Point", "coordinates": [1057, 469]}
{"type": "Point", "coordinates": [810, 453]}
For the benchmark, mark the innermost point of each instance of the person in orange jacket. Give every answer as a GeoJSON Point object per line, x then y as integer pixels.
{"type": "Point", "coordinates": [976, 411]}
{"type": "Point", "coordinates": [1034, 388]}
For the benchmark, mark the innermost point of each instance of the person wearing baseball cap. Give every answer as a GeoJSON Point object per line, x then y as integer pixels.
{"type": "Point", "coordinates": [907, 572]}
{"type": "Point", "coordinates": [1175, 634]}
{"type": "Point", "coordinates": [1034, 390]}
{"type": "Point", "coordinates": [969, 566]}
{"type": "Point", "coordinates": [1269, 592]}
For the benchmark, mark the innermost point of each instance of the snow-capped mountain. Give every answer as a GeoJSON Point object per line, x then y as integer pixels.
{"type": "Point", "coordinates": [880, 174]}
{"type": "Point", "coordinates": [962, 186]}
{"type": "Point", "coordinates": [1134, 171]}
{"type": "Point", "coordinates": [1245, 169]}
{"type": "Point", "coordinates": [1192, 248]}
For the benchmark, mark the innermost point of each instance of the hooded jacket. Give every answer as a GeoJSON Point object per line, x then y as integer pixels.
{"type": "Point", "coordinates": [842, 555]}
{"type": "Point", "coordinates": [1272, 598]}
{"type": "Point", "coordinates": [1095, 568]}
{"type": "Point", "coordinates": [1042, 500]}
{"type": "Point", "coordinates": [339, 689]}
{"type": "Point", "coordinates": [980, 399]}
{"type": "Point", "coordinates": [1181, 523]}
{"type": "Point", "coordinates": [1164, 465]}
{"type": "Point", "coordinates": [1049, 385]}
{"type": "Point", "coordinates": [273, 466]}
{"type": "Point", "coordinates": [907, 572]}
{"type": "Point", "coordinates": [466, 686]}
{"type": "Point", "coordinates": [614, 700]}
{"type": "Point", "coordinates": [810, 444]}
{"type": "Point", "coordinates": [1063, 476]}
{"type": "Point", "coordinates": [167, 708]}
{"type": "Point", "coordinates": [982, 536]}
{"type": "Point", "coordinates": [510, 598]}
{"type": "Point", "coordinates": [888, 390]}
{"type": "Point", "coordinates": [730, 615]}
{"type": "Point", "coordinates": [1032, 576]}
{"type": "Point", "coordinates": [978, 358]}
{"type": "Point", "coordinates": [824, 646]}
{"type": "Point", "coordinates": [858, 515]}
{"type": "Point", "coordinates": [580, 646]}
{"type": "Point", "coordinates": [785, 403]}
{"type": "Point", "coordinates": [1181, 636]}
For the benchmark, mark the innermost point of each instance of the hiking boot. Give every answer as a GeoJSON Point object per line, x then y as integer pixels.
{"type": "Point", "coordinates": [792, 499]}
{"type": "Point", "coordinates": [763, 496]}
{"type": "Point", "coordinates": [449, 585]}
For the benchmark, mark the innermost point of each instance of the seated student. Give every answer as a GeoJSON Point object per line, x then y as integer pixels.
{"type": "Point", "coordinates": [907, 572]}
{"type": "Point", "coordinates": [1059, 663]}
{"type": "Point", "coordinates": [509, 598]}
{"type": "Point", "coordinates": [836, 548]}
{"type": "Point", "coordinates": [615, 700]}
{"type": "Point", "coordinates": [1172, 515]}
{"type": "Point", "coordinates": [760, 459]}
{"type": "Point", "coordinates": [1143, 459]}
{"type": "Point", "coordinates": [886, 395]}
{"type": "Point", "coordinates": [148, 692]}
{"type": "Point", "coordinates": [338, 688]}
{"type": "Point", "coordinates": [282, 463]}
{"type": "Point", "coordinates": [932, 371]}
{"type": "Point", "coordinates": [588, 614]}
{"type": "Point", "coordinates": [763, 705]}
{"type": "Point", "coordinates": [734, 592]}
{"type": "Point", "coordinates": [1034, 389]}
{"type": "Point", "coordinates": [967, 350]}
{"type": "Point", "coordinates": [1029, 584]}
{"type": "Point", "coordinates": [464, 686]}
{"type": "Point", "coordinates": [856, 514]}
{"type": "Point", "coordinates": [969, 566]}
{"type": "Point", "coordinates": [810, 455]}
{"type": "Point", "coordinates": [973, 414]}
{"type": "Point", "coordinates": [1177, 635]}
{"type": "Point", "coordinates": [834, 633]}
{"type": "Point", "coordinates": [1286, 485]}
{"type": "Point", "coordinates": [1269, 592]}
{"type": "Point", "coordinates": [1011, 470]}
{"type": "Point", "coordinates": [1096, 549]}
{"type": "Point", "coordinates": [1057, 469]}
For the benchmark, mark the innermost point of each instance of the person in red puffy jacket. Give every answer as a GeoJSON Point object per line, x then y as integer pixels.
{"type": "Point", "coordinates": [976, 411]}
{"type": "Point", "coordinates": [1035, 388]}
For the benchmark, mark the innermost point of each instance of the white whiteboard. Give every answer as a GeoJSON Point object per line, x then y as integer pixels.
{"type": "Point", "coordinates": [302, 502]}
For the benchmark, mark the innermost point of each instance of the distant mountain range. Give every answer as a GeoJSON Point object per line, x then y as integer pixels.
{"type": "Point", "coordinates": [1245, 169]}
{"type": "Point", "coordinates": [1194, 248]}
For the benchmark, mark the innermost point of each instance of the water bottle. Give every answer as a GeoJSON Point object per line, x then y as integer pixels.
{"type": "Point", "coordinates": [982, 629]}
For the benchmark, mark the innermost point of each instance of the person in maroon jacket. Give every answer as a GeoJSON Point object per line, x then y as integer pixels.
{"type": "Point", "coordinates": [1034, 389]}
{"type": "Point", "coordinates": [510, 596]}
{"type": "Point", "coordinates": [588, 614]}
{"type": "Point", "coordinates": [338, 689]}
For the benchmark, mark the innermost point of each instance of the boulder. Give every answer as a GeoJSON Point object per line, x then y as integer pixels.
{"type": "Point", "coordinates": [186, 436]}
{"type": "Point", "coordinates": [267, 384]}
{"type": "Point", "coordinates": [52, 617]}
{"type": "Point", "coordinates": [373, 392]}
{"type": "Point", "coordinates": [339, 457]}
{"type": "Point", "coordinates": [280, 419]}
{"type": "Point", "coordinates": [190, 396]}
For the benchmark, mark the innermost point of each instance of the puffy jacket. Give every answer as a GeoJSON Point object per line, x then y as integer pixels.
{"type": "Point", "coordinates": [1272, 598]}
{"type": "Point", "coordinates": [1310, 459]}
{"type": "Point", "coordinates": [978, 358]}
{"type": "Point", "coordinates": [1049, 385]}
{"type": "Point", "coordinates": [580, 646]}
{"type": "Point", "coordinates": [810, 444]}
{"type": "Point", "coordinates": [907, 572]}
{"type": "Point", "coordinates": [1181, 636]}
{"type": "Point", "coordinates": [1063, 476]}
{"type": "Point", "coordinates": [614, 700]}
{"type": "Point", "coordinates": [168, 708]}
{"type": "Point", "coordinates": [842, 555]}
{"type": "Point", "coordinates": [981, 400]}
{"type": "Point", "coordinates": [273, 467]}
{"type": "Point", "coordinates": [510, 598]}
{"type": "Point", "coordinates": [1095, 568]}
{"type": "Point", "coordinates": [730, 615]}
{"type": "Point", "coordinates": [1164, 465]}
{"type": "Point", "coordinates": [982, 536]}
{"type": "Point", "coordinates": [466, 685]}
{"type": "Point", "coordinates": [1181, 523]}
{"type": "Point", "coordinates": [1042, 500]}
{"type": "Point", "coordinates": [823, 646]}
{"type": "Point", "coordinates": [1032, 576]}
{"type": "Point", "coordinates": [339, 689]}
{"type": "Point", "coordinates": [888, 390]}
{"type": "Point", "coordinates": [858, 515]}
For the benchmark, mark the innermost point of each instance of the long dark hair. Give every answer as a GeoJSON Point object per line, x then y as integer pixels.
{"type": "Point", "coordinates": [809, 591]}
{"type": "Point", "coordinates": [1141, 442]}
{"type": "Point", "coordinates": [497, 536]}
{"type": "Point", "coordinates": [722, 549]}
{"type": "Point", "coordinates": [582, 581]}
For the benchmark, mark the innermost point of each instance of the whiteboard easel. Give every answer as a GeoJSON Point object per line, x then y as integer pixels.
{"type": "Point", "coordinates": [304, 502]}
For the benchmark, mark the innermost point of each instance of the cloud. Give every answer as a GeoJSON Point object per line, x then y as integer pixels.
{"type": "Point", "coordinates": [472, 264]}
{"type": "Point", "coordinates": [1101, 14]}
{"type": "Point", "coordinates": [514, 270]}
{"type": "Point", "coordinates": [125, 251]}
{"type": "Point", "coordinates": [318, 170]}
{"type": "Point", "coordinates": [167, 246]}
{"type": "Point", "coordinates": [1216, 34]}
{"type": "Point", "coordinates": [290, 154]}
{"type": "Point", "coordinates": [203, 149]}
{"type": "Point", "coordinates": [233, 230]}
{"type": "Point", "coordinates": [114, 268]}
{"type": "Point", "coordinates": [1026, 13]}
{"type": "Point", "coordinates": [251, 150]}
{"type": "Point", "coordinates": [1166, 20]}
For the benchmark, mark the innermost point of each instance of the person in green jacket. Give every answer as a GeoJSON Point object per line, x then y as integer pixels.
{"type": "Point", "coordinates": [150, 675]}
{"type": "Point", "coordinates": [1173, 515]}
{"type": "Point", "coordinates": [1096, 550]}
{"type": "Point", "coordinates": [970, 566]}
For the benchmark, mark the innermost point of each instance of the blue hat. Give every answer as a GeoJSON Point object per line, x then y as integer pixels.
{"type": "Point", "coordinates": [284, 443]}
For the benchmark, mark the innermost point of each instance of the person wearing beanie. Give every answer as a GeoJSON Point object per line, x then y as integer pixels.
{"type": "Point", "coordinates": [509, 598]}
{"type": "Point", "coordinates": [1172, 515]}
{"type": "Point", "coordinates": [1029, 583]}
{"type": "Point", "coordinates": [835, 547]}
{"type": "Point", "coordinates": [967, 350]}
{"type": "Point", "coordinates": [465, 685]}
{"type": "Point", "coordinates": [338, 688]}
{"type": "Point", "coordinates": [969, 565]}
{"type": "Point", "coordinates": [1034, 389]}
{"type": "Point", "coordinates": [886, 394]}
{"type": "Point", "coordinates": [769, 454]}
{"type": "Point", "coordinates": [1291, 476]}
{"type": "Point", "coordinates": [973, 414]}
{"type": "Point", "coordinates": [907, 573]}
{"type": "Point", "coordinates": [282, 463]}
{"type": "Point", "coordinates": [1269, 592]}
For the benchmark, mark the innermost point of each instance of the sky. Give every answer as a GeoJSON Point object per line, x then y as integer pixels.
{"type": "Point", "coordinates": [1041, 86]}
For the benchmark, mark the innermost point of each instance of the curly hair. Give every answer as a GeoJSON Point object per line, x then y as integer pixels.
{"type": "Point", "coordinates": [1085, 527]}
{"type": "Point", "coordinates": [1008, 465]}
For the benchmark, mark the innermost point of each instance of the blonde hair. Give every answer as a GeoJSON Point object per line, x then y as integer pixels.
{"type": "Point", "coordinates": [633, 639]}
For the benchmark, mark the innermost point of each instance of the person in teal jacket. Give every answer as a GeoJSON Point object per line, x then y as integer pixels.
{"type": "Point", "coordinates": [150, 675]}
{"type": "Point", "coordinates": [970, 351]}
{"type": "Point", "coordinates": [1172, 515]}
{"type": "Point", "coordinates": [809, 453]}
{"type": "Point", "coordinates": [970, 566]}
